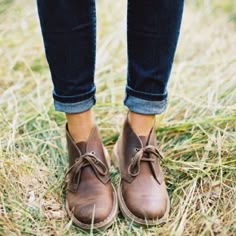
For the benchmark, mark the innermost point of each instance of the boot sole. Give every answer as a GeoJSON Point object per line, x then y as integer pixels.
{"type": "Point", "coordinates": [124, 209]}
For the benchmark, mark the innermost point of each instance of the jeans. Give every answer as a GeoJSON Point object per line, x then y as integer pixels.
{"type": "Point", "coordinates": [69, 35]}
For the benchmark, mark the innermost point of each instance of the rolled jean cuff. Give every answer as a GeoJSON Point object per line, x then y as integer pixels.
{"type": "Point", "coordinates": [146, 96]}
{"type": "Point", "coordinates": [146, 106]}
{"type": "Point", "coordinates": [76, 107]}
{"type": "Point", "coordinates": [74, 98]}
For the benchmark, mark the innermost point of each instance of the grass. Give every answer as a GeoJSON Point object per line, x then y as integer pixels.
{"type": "Point", "coordinates": [196, 133]}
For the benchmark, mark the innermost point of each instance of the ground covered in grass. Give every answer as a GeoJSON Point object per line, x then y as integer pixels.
{"type": "Point", "coordinates": [196, 133]}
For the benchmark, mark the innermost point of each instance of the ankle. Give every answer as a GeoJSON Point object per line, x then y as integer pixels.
{"type": "Point", "coordinates": [140, 123]}
{"type": "Point", "coordinates": [80, 125]}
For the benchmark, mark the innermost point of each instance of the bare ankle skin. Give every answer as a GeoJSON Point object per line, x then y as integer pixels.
{"type": "Point", "coordinates": [80, 125]}
{"type": "Point", "coordinates": [140, 123]}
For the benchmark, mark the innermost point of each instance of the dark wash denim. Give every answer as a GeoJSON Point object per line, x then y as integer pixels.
{"type": "Point", "coordinates": [69, 34]}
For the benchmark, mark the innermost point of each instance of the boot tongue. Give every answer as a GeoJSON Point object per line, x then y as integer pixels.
{"type": "Point", "coordinates": [144, 140]}
{"type": "Point", "coordinates": [145, 166]}
{"type": "Point", "coordinates": [82, 146]}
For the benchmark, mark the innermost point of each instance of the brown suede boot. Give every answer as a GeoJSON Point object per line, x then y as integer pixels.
{"type": "Point", "coordinates": [91, 199]}
{"type": "Point", "coordinates": [142, 193]}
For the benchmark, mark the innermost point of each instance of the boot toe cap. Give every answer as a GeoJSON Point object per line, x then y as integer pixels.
{"type": "Point", "coordinates": [151, 211]}
{"type": "Point", "coordinates": [149, 208]}
{"type": "Point", "coordinates": [91, 213]}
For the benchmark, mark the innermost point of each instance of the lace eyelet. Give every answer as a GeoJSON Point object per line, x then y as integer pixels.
{"type": "Point", "coordinates": [76, 159]}
{"type": "Point", "coordinates": [93, 152]}
{"type": "Point", "coordinates": [137, 149]}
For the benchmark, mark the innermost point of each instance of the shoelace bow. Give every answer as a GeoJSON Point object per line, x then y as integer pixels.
{"type": "Point", "coordinates": [143, 154]}
{"type": "Point", "coordinates": [86, 159]}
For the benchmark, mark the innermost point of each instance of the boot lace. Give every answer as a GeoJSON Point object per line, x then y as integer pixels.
{"type": "Point", "coordinates": [143, 154]}
{"type": "Point", "coordinates": [87, 159]}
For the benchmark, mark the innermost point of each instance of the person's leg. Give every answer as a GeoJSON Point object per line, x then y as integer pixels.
{"type": "Point", "coordinates": [69, 34]}
{"type": "Point", "coordinates": [153, 30]}
{"type": "Point", "coordinates": [80, 125]}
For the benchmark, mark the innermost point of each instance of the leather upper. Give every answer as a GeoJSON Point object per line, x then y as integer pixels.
{"type": "Point", "coordinates": [133, 150]}
{"type": "Point", "coordinates": [89, 190]}
{"type": "Point", "coordinates": [142, 182]}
